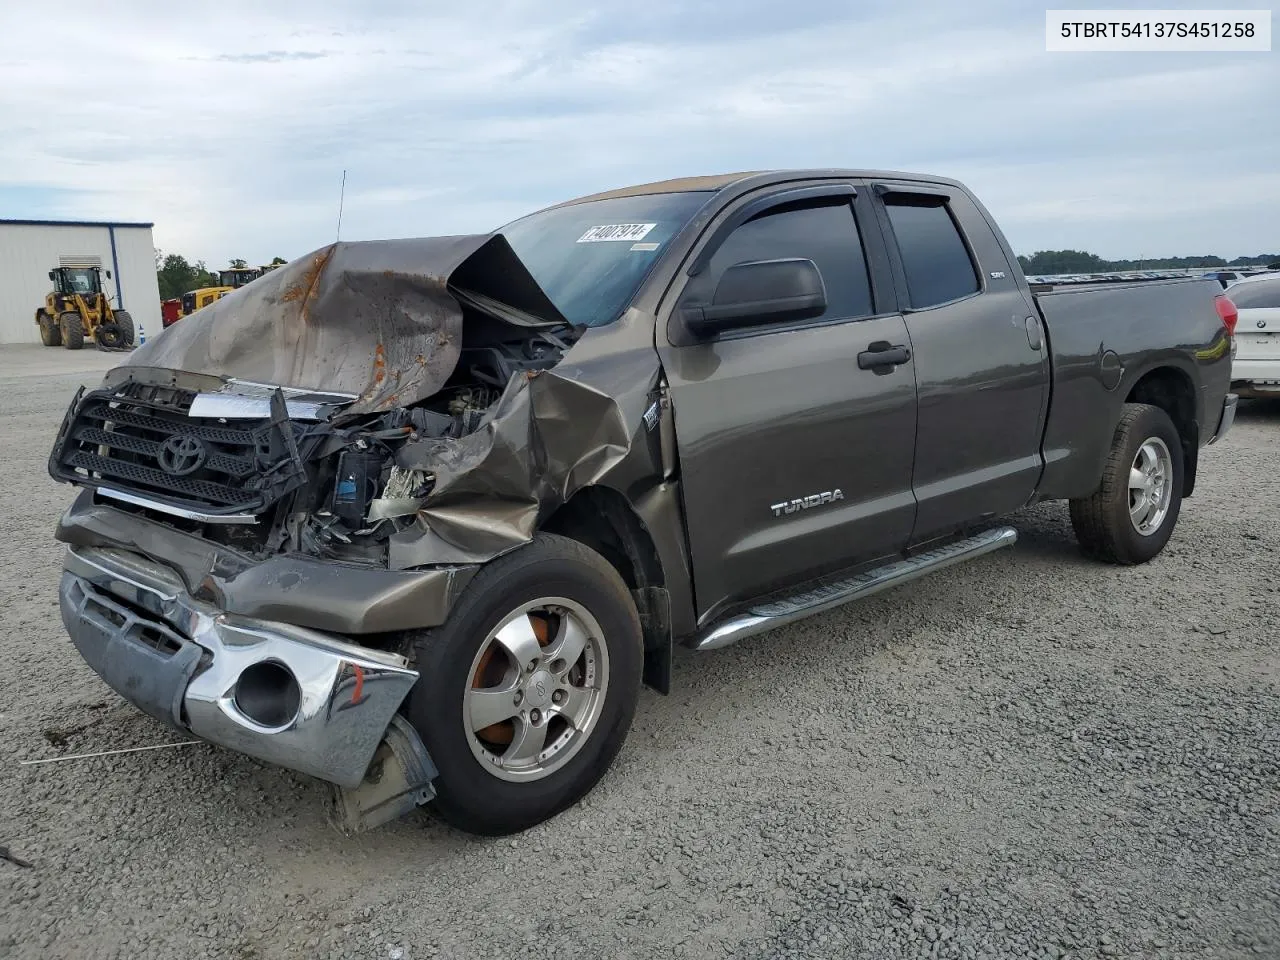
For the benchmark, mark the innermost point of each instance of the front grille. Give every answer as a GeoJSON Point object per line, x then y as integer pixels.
{"type": "Point", "coordinates": [138, 438]}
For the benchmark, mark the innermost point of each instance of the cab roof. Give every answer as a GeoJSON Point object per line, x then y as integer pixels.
{"type": "Point", "coordinates": [751, 178]}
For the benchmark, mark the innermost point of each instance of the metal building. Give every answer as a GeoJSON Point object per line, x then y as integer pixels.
{"type": "Point", "coordinates": [29, 249]}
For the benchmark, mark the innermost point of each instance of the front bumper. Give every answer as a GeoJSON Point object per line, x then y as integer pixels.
{"type": "Point", "coordinates": [184, 662]}
{"type": "Point", "coordinates": [321, 594]}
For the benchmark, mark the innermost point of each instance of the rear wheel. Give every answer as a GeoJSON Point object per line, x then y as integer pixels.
{"type": "Point", "coordinates": [1132, 515]}
{"type": "Point", "coordinates": [50, 335]}
{"type": "Point", "coordinates": [527, 692]}
{"type": "Point", "coordinates": [72, 329]}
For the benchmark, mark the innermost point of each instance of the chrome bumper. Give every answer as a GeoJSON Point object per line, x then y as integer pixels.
{"type": "Point", "coordinates": [1228, 417]}
{"type": "Point", "coordinates": [328, 703]}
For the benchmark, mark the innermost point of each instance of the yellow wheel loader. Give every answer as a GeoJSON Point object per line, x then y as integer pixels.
{"type": "Point", "coordinates": [228, 281]}
{"type": "Point", "coordinates": [77, 308]}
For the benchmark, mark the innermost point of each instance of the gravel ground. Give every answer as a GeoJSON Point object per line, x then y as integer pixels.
{"type": "Point", "coordinates": [1027, 756]}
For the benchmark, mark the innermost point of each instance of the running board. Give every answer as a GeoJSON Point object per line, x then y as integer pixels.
{"type": "Point", "coordinates": [777, 613]}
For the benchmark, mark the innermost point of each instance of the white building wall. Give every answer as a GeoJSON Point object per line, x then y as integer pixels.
{"type": "Point", "coordinates": [29, 251]}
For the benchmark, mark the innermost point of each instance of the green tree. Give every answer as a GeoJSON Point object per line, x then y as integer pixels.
{"type": "Point", "coordinates": [176, 276]}
{"type": "Point", "coordinates": [276, 261]}
{"type": "Point", "coordinates": [1062, 261]}
{"type": "Point", "coordinates": [1049, 262]}
{"type": "Point", "coordinates": [238, 264]}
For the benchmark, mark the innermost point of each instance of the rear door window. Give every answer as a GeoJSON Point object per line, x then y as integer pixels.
{"type": "Point", "coordinates": [934, 255]}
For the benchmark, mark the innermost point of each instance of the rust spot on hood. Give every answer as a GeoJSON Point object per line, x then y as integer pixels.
{"type": "Point", "coordinates": [379, 364]}
{"type": "Point", "coordinates": [307, 282]}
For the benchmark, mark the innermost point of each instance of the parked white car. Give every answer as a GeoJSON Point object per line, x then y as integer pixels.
{"type": "Point", "coordinates": [1255, 372]}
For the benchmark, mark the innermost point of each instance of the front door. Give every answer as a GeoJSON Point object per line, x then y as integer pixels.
{"type": "Point", "coordinates": [794, 461]}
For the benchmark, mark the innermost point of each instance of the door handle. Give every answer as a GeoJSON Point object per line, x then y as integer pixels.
{"type": "Point", "coordinates": [1033, 333]}
{"type": "Point", "coordinates": [882, 354]}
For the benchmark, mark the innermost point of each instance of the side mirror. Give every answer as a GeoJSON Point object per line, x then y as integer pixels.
{"type": "Point", "coordinates": [51, 275]}
{"type": "Point", "coordinates": [108, 274]}
{"type": "Point", "coordinates": [757, 293]}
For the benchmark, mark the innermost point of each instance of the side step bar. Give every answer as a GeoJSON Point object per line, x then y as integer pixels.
{"type": "Point", "coordinates": [777, 613]}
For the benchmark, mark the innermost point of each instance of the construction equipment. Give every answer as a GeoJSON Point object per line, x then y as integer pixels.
{"type": "Point", "coordinates": [233, 278]}
{"type": "Point", "coordinates": [170, 311]}
{"type": "Point", "coordinates": [193, 300]}
{"type": "Point", "coordinates": [237, 277]}
{"type": "Point", "coordinates": [77, 308]}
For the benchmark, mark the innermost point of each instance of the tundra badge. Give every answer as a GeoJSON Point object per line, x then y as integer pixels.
{"type": "Point", "coordinates": [804, 503]}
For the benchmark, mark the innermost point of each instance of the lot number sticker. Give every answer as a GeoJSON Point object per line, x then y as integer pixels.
{"type": "Point", "coordinates": [616, 231]}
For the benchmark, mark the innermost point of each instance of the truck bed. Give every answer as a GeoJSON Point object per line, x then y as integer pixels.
{"type": "Point", "coordinates": [1103, 338]}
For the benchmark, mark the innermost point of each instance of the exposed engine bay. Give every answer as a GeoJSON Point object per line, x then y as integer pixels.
{"type": "Point", "coordinates": [308, 477]}
{"type": "Point", "coordinates": [370, 497]}
{"type": "Point", "coordinates": [386, 403]}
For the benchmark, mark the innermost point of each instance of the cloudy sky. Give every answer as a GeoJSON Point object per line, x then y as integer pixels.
{"type": "Point", "coordinates": [230, 126]}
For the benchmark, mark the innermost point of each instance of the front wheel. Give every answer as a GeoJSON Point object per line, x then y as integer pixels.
{"type": "Point", "coordinates": [71, 326]}
{"type": "Point", "coordinates": [527, 692]}
{"type": "Point", "coordinates": [1132, 515]}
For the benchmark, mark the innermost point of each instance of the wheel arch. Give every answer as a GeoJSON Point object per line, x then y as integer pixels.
{"type": "Point", "coordinates": [603, 519]}
{"type": "Point", "coordinates": [1172, 390]}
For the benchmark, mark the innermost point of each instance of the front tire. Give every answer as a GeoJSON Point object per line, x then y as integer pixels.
{"type": "Point", "coordinates": [528, 691]}
{"type": "Point", "coordinates": [72, 328]}
{"type": "Point", "coordinates": [1132, 515]}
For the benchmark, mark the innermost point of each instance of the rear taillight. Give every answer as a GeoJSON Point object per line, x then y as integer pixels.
{"type": "Point", "coordinates": [1228, 312]}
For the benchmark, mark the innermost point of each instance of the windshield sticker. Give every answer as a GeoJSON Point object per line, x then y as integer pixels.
{"type": "Point", "coordinates": [645, 246]}
{"type": "Point", "coordinates": [616, 231]}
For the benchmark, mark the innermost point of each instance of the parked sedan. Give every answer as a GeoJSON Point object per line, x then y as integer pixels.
{"type": "Point", "coordinates": [1255, 372]}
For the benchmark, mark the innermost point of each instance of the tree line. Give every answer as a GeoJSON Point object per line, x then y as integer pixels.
{"type": "Point", "coordinates": [175, 275]}
{"type": "Point", "coordinates": [1079, 261]}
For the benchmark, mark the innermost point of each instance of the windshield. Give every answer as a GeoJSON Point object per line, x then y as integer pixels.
{"type": "Point", "coordinates": [590, 258]}
{"type": "Point", "coordinates": [237, 277]}
{"type": "Point", "coordinates": [80, 281]}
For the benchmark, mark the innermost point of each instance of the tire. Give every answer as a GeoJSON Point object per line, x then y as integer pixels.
{"type": "Point", "coordinates": [119, 335]}
{"type": "Point", "coordinates": [477, 790]}
{"type": "Point", "coordinates": [1110, 525]}
{"type": "Point", "coordinates": [72, 329]}
{"type": "Point", "coordinates": [50, 335]}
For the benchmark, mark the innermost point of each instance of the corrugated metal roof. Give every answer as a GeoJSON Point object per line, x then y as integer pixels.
{"type": "Point", "coordinates": [74, 223]}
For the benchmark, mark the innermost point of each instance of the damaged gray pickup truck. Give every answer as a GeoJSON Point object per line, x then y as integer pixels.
{"type": "Point", "coordinates": [419, 517]}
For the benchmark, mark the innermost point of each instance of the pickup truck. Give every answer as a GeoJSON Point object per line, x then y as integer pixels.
{"type": "Point", "coordinates": [419, 518]}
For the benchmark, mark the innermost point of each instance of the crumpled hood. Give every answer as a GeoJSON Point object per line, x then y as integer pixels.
{"type": "Point", "coordinates": [372, 319]}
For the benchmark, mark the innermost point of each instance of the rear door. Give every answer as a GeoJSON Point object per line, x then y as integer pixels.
{"type": "Point", "coordinates": [794, 460]}
{"type": "Point", "coordinates": [981, 364]}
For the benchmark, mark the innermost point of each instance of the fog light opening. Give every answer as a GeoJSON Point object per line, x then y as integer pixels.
{"type": "Point", "coordinates": [268, 694]}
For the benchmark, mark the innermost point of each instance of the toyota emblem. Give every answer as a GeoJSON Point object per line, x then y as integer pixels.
{"type": "Point", "coordinates": [181, 455]}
